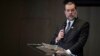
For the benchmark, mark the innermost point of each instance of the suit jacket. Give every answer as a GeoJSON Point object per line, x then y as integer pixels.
{"type": "Point", "coordinates": [75, 38]}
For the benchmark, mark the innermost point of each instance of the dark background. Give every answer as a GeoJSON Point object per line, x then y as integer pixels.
{"type": "Point", "coordinates": [35, 21]}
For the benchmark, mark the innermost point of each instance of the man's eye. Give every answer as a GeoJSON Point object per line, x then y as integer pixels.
{"type": "Point", "coordinates": [72, 10]}
{"type": "Point", "coordinates": [68, 10]}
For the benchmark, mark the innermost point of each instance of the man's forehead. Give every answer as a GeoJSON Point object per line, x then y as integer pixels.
{"type": "Point", "coordinates": [69, 6]}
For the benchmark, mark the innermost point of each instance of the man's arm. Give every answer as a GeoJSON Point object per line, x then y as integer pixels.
{"type": "Point", "coordinates": [82, 39]}
{"type": "Point", "coordinates": [53, 40]}
{"type": "Point", "coordinates": [59, 36]}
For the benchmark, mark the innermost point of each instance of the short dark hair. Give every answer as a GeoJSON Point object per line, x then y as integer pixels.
{"type": "Point", "coordinates": [69, 2]}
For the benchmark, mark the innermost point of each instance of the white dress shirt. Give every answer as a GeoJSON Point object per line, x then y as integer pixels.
{"type": "Point", "coordinates": [71, 22]}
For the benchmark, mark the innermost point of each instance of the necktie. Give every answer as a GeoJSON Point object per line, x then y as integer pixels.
{"type": "Point", "coordinates": [68, 27]}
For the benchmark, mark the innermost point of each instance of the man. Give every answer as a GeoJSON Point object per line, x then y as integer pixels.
{"type": "Point", "coordinates": [73, 34]}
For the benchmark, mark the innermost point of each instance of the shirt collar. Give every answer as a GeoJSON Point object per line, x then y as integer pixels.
{"type": "Point", "coordinates": [70, 21]}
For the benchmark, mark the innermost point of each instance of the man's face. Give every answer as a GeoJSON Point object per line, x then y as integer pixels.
{"type": "Point", "coordinates": [70, 11]}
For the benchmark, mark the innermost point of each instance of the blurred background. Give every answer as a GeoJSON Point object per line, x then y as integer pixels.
{"type": "Point", "coordinates": [35, 21]}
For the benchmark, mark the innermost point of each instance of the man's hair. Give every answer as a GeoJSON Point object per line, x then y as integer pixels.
{"type": "Point", "coordinates": [69, 2]}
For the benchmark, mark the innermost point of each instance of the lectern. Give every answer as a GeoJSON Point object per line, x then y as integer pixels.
{"type": "Point", "coordinates": [48, 49]}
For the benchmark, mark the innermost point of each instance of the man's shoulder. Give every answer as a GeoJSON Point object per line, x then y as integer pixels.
{"type": "Point", "coordinates": [81, 21]}
{"type": "Point", "coordinates": [83, 24]}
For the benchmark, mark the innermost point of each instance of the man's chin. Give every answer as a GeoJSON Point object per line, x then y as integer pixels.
{"type": "Point", "coordinates": [70, 18]}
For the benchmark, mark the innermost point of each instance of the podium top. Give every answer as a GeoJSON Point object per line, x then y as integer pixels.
{"type": "Point", "coordinates": [46, 48]}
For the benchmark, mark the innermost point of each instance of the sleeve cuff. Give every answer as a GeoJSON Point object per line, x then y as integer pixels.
{"type": "Point", "coordinates": [68, 52]}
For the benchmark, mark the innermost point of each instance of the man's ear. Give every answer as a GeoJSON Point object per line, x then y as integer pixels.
{"type": "Point", "coordinates": [76, 13]}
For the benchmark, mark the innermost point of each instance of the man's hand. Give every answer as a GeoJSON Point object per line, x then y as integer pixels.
{"type": "Point", "coordinates": [60, 35]}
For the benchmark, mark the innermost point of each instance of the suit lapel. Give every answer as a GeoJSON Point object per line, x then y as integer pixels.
{"type": "Point", "coordinates": [73, 25]}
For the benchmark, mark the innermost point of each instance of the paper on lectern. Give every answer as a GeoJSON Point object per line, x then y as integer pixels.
{"type": "Point", "coordinates": [49, 49]}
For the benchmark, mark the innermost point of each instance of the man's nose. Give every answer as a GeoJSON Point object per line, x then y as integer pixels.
{"type": "Point", "coordinates": [70, 12]}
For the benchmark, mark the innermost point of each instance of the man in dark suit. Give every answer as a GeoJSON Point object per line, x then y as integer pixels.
{"type": "Point", "coordinates": [73, 34]}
